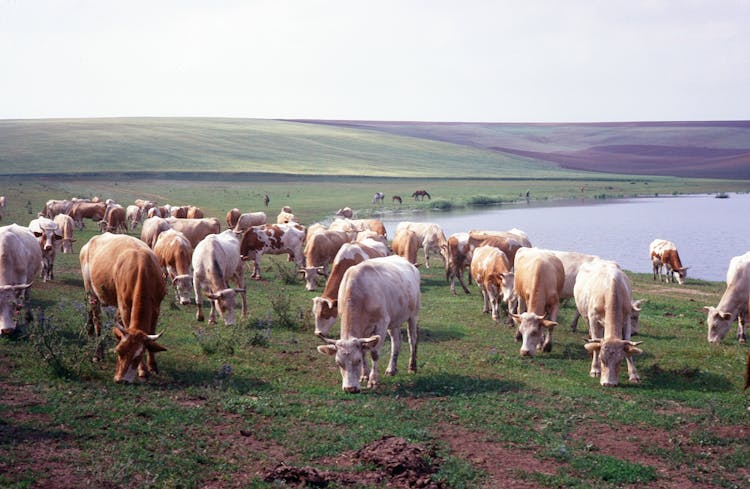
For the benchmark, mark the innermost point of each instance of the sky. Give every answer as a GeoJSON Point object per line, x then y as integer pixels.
{"type": "Point", "coordinates": [402, 60]}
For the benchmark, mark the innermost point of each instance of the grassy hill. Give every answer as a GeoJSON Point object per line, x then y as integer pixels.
{"type": "Point", "coordinates": [711, 149]}
{"type": "Point", "coordinates": [245, 145]}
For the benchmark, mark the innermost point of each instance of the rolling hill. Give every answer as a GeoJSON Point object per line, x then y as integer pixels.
{"type": "Point", "coordinates": [710, 149]}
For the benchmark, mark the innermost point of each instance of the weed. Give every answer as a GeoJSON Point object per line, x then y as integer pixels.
{"type": "Point", "coordinates": [613, 470]}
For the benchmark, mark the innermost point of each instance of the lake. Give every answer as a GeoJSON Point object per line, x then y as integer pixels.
{"type": "Point", "coordinates": [707, 231]}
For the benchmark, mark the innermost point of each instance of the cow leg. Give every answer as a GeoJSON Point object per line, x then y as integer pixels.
{"type": "Point", "coordinates": [256, 268]}
{"type": "Point", "coordinates": [412, 333]}
{"type": "Point", "coordinates": [485, 299]}
{"type": "Point", "coordinates": [595, 331]}
{"type": "Point", "coordinates": [574, 324]}
{"type": "Point", "coordinates": [461, 281]}
{"type": "Point", "coordinates": [372, 381]}
{"type": "Point", "coordinates": [395, 335]}
{"type": "Point", "coordinates": [632, 373]}
{"type": "Point", "coordinates": [547, 346]}
{"type": "Point", "coordinates": [198, 300]}
{"type": "Point", "coordinates": [741, 325]}
{"type": "Point", "coordinates": [212, 313]}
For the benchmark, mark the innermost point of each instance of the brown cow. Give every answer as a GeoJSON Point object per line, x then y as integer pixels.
{"type": "Point", "coordinates": [121, 271]}
{"type": "Point", "coordinates": [175, 255]}
{"type": "Point", "coordinates": [115, 220]}
{"type": "Point", "coordinates": [195, 212]}
{"type": "Point", "coordinates": [195, 229]}
{"type": "Point", "coordinates": [457, 252]}
{"type": "Point", "coordinates": [320, 250]}
{"type": "Point", "coordinates": [152, 227]}
{"type": "Point", "coordinates": [406, 244]}
{"type": "Point", "coordinates": [274, 239]}
{"type": "Point", "coordinates": [87, 210]}
{"type": "Point", "coordinates": [507, 244]}
{"type": "Point", "coordinates": [233, 215]}
{"type": "Point", "coordinates": [491, 271]}
{"type": "Point", "coordinates": [664, 254]}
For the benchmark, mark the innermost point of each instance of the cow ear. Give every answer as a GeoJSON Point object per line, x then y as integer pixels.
{"type": "Point", "coordinates": [370, 342]}
{"type": "Point", "coordinates": [329, 349]}
{"type": "Point", "coordinates": [331, 303]}
{"type": "Point", "coordinates": [593, 346]}
{"type": "Point", "coordinates": [637, 304]}
{"type": "Point", "coordinates": [548, 324]}
{"type": "Point", "coordinates": [516, 318]}
{"type": "Point", "coordinates": [154, 346]}
{"type": "Point", "coordinates": [631, 349]}
{"type": "Point", "coordinates": [725, 315]}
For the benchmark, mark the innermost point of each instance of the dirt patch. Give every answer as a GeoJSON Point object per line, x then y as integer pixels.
{"type": "Point", "coordinates": [397, 463]}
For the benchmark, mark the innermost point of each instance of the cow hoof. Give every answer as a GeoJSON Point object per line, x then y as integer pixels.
{"type": "Point", "coordinates": [547, 348]}
{"type": "Point", "coordinates": [391, 372]}
{"type": "Point", "coordinates": [595, 373]}
{"type": "Point", "coordinates": [635, 380]}
{"type": "Point", "coordinates": [199, 318]}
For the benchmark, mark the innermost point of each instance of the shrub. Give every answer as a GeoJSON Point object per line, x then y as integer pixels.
{"type": "Point", "coordinates": [479, 200]}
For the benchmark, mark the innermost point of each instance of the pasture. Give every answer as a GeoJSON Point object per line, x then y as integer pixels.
{"type": "Point", "coordinates": [233, 403]}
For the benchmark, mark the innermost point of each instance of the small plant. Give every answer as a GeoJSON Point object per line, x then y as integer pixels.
{"type": "Point", "coordinates": [614, 470]}
{"type": "Point", "coordinates": [442, 204]}
{"type": "Point", "coordinates": [282, 308]}
{"type": "Point", "coordinates": [478, 200]}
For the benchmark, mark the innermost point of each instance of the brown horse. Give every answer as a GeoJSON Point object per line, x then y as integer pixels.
{"type": "Point", "coordinates": [396, 198]}
{"type": "Point", "coordinates": [421, 193]}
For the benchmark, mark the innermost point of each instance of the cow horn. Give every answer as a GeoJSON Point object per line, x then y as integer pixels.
{"type": "Point", "coordinates": [154, 337]}
{"type": "Point", "coordinates": [180, 277]}
{"type": "Point", "coordinates": [16, 286]}
{"type": "Point", "coordinates": [121, 328]}
{"type": "Point", "coordinates": [241, 291]}
{"type": "Point", "coordinates": [327, 341]}
{"type": "Point", "coordinates": [593, 340]}
{"type": "Point", "coordinates": [634, 343]}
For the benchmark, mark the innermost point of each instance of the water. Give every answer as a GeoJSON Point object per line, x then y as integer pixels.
{"type": "Point", "coordinates": [707, 231]}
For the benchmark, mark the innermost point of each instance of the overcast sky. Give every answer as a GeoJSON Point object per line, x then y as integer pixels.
{"type": "Point", "coordinates": [428, 60]}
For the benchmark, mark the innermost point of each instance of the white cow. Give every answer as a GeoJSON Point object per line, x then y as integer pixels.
{"type": "Point", "coordinates": [66, 225]}
{"type": "Point", "coordinates": [430, 235]}
{"type": "Point", "coordinates": [733, 304]}
{"type": "Point", "coordinates": [175, 254]}
{"type": "Point", "coordinates": [20, 259]}
{"type": "Point", "coordinates": [572, 261]}
{"type": "Point", "coordinates": [49, 236]}
{"type": "Point", "coordinates": [376, 297]}
{"type": "Point", "coordinates": [248, 220]}
{"type": "Point", "coordinates": [603, 297]}
{"type": "Point", "coordinates": [133, 216]}
{"type": "Point", "coordinates": [216, 261]}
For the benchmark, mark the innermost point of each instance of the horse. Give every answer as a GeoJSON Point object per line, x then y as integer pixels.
{"type": "Point", "coordinates": [421, 193]}
{"type": "Point", "coordinates": [378, 198]}
{"type": "Point", "coordinates": [396, 198]}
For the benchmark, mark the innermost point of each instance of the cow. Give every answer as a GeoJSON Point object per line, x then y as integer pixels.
{"type": "Point", "coordinates": [152, 227]}
{"type": "Point", "coordinates": [325, 307]}
{"type": "Point", "coordinates": [538, 282]}
{"type": "Point", "coordinates": [373, 239]}
{"type": "Point", "coordinates": [195, 229]}
{"type": "Point", "coordinates": [422, 194]}
{"type": "Point", "coordinates": [664, 253]}
{"type": "Point", "coordinates": [603, 296]}
{"type": "Point", "coordinates": [216, 263]}
{"type": "Point", "coordinates": [286, 218]}
{"type": "Point", "coordinates": [274, 239]}
{"type": "Point", "coordinates": [175, 253]}
{"type": "Point", "coordinates": [115, 220]}
{"type": "Point", "coordinates": [49, 236]}
{"type": "Point", "coordinates": [121, 271]}
{"type": "Point", "coordinates": [87, 210]}
{"type": "Point", "coordinates": [20, 260]}
{"type": "Point", "coordinates": [248, 220]}
{"type": "Point", "coordinates": [345, 212]}
{"type": "Point", "coordinates": [320, 250]}
{"type": "Point", "coordinates": [65, 224]}
{"type": "Point", "coordinates": [406, 244]}
{"type": "Point", "coordinates": [458, 254]}
{"type": "Point", "coordinates": [491, 271]}
{"type": "Point", "coordinates": [508, 243]}
{"type": "Point", "coordinates": [733, 303]}
{"type": "Point", "coordinates": [378, 198]}
{"type": "Point", "coordinates": [233, 215]}
{"type": "Point", "coordinates": [354, 226]}
{"type": "Point", "coordinates": [155, 212]}
{"type": "Point", "coordinates": [431, 238]}
{"type": "Point", "coordinates": [376, 297]}
{"type": "Point", "coordinates": [133, 216]}
{"type": "Point", "coordinates": [179, 212]}
{"type": "Point", "coordinates": [194, 212]}
{"type": "Point", "coordinates": [572, 261]}
{"type": "Point", "coordinates": [53, 208]}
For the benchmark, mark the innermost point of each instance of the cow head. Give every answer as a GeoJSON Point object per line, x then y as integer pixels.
{"type": "Point", "coordinates": [680, 274]}
{"type": "Point", "coordinates": [130, 349]}
{"type": "Point", "coordinates": [11, 304]}
{"type": "Point", "coordinates": [67, 245]}
{"type": "Point", "coordinates": [611, 354]}
{"type": "Point", "coordinates": [635, 315]}
{"type": "Point", "coordinates": [531, 329]}
{"type": "Point", "coordinates": [311, 276]}
{"type": "Point", "coordinates": [183, 285]}
{"type": "Point", "coordinates": [325, 311]}
{"type": "Point", "coordinates": [718, 323]}
{"type": "Point", "coordinates": [350, 353]}
{"type": "Point", "coordinates": [225, 300]}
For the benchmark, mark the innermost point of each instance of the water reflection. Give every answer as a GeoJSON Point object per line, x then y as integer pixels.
{"type": "Point", "coordinates": [707, 231]}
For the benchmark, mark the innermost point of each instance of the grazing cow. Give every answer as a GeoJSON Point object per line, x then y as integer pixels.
{"type": "Point", "coordinates": [354, 226]}
{"type": "Point", "coordinates": [431, 238]}
{"type": "Point", "coordinates": [180, 212]}
{"type": "Point", "coordinates": [133, 216]}
{"type": "Point", "coordinates": [121, 271]}
{"type": "Point", "coordinates": [345, 212]}
{"type": "Point", "coordinates": [539, 279]}
{"type": "Point", "coordinates": [20, 259]}
{"type": "Point", "coordinates": [195, 229]}
{"type": "Point", "coordinates": [233, 215]}
{"type": "Point", "coordinates": [603, 297]}
{"type": "Point", "coordinates": [194, 212]}
{"type": "Point", "coordinates": [65, 224]}
{"type": "Point", "coordinates": [396, 198]}
{"type": "Point", "coordinates": [664, 254]}
{"type": "Point", "coordinates": [406, 244]}
{"type": "Point", "coordinates": [216, 262]}
{"type": "Point", "coordinates": [152, 227]}
{"type": "Point", "coordinates": [572, 262]}
{"type": "Point", "coordinates": [733, 304]}
{"type": "Point", "coordinates": [175, 253]}
{"type": "Point", "coordinates": [248, 220]}
{"type": "Point", "coordinates": [115, 220]}
{"type": "Point", "coordinates": [378, 198]}
{"type": "Point", "coordinates": [325, 307]}
{"type": "Point", "coordinates": [87, 210]}
{"type": "Point", "coordinates": [507, 244]}
{"type": "Point", "coordinates": [373, 239]}
{"type": "Point", "coordinates": [422, 194]}
{"type": "Point", "coordinates": [49, 235]}
{"type": "Point", "coordinates": [491, 271]}
{"type": "Point", "coordinates": [320, 250]}
{"type": "Point", "coordinates": [376, 297]}
{"type": "Point", "coordinates": [274, 239]}
{"type": "Point", "coordinates": [458, 254]}
{"type": "Point", "coordinates": [286, 218]}
{"type": "Point", "coordinates": [53, 208]}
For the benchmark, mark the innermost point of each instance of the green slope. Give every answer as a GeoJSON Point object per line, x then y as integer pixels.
{"type": "Point", "coordinates": [245, 145]}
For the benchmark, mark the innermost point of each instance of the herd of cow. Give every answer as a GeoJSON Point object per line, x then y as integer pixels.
{"type": "Point", "coordinates": [372, 287]}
